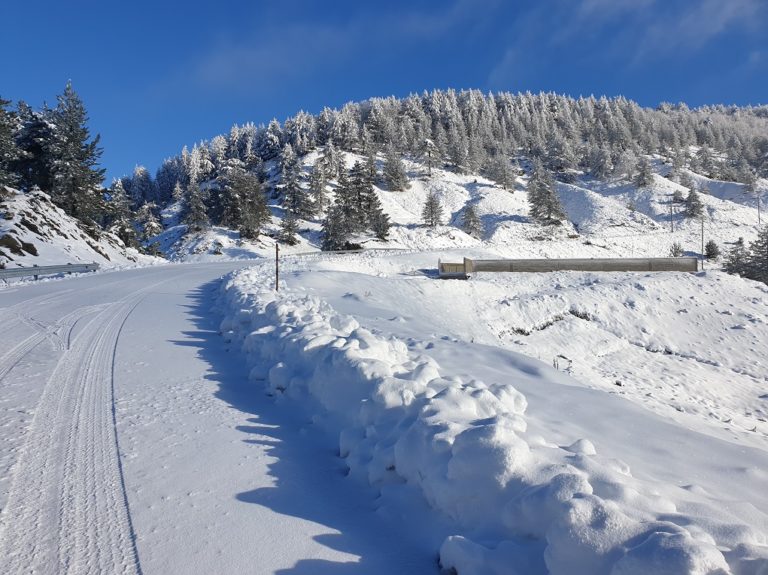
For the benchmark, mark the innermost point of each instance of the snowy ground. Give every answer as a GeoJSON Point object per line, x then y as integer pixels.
{"type": "Point", "coordinates": [132, 442]}
{"type": "Point", "coordinates": [643, 451]}
{"type": "Point", "coordinates": [369, 418]}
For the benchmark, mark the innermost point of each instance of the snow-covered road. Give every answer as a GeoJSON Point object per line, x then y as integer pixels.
{"type": "Point", "coordinates": [130, 442]}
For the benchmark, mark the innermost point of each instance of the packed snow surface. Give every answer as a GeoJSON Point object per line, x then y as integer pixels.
{"type": "Point", "coordinates": [636, 445]}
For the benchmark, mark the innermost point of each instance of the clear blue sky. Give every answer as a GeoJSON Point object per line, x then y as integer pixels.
{"type": "Point", "coordinates": [158, 75]}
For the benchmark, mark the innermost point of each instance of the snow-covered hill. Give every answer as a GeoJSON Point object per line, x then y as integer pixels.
{"type": "Point", "coordinates": [33, 231]}
{"type": "Point", "coordinates": [610, 218]}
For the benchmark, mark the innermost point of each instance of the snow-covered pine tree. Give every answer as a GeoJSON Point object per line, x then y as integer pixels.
{"type": "Point", "coordinates": [372, 174]}
{"type": "Point", "coordinates": [644, 176]}
{"type": "Point", "coordinates": [196, 217]}
{"type": "Point", "coordinates": [142, 186]}
{"type": "Point", "coordinates": [379, 223]}
{"type": "Point", "coordinates": [317, 187]}
{"type": "Point", "coordinates": [295, 198]}
{"type": "Point", "coordinates": [335, 232]}
{"type": "Point", "coordinates": [178, 192]}
{"type": "Point", "coordinates": [333, 161]}
{"type": "Point", "coordinates": [757, 258]}
{"type": "Point", "coordinates": [471, 222]}
{"type": "Point", "coordinates": [545, 206]}
{"type": "Point", "coordinates": [599, 162]}
{"type": "Point", "coordinates": [254, 211]}
{"type": "Point", "coordinates": [119, 215]}
{"type": "Point", "coordinates": [736, 258]}
{"type": "Point", "coordinates": [430, 155]}
{"type": "Point", "coordinates": [35, 140]}
{"type": "Point", "coordinates": [394, 171]}
{"type": "Point", "coordinates": [500, 171]}
{"type": "Point", "coordinates": [693, 206]}
{"type": "Point", "coordinates": [711, 250]}
{"type": "Point", "coordinates": [147, 221]}
{"type": "Point", "coordinates": [432, 212]}
{"type": "Point", "coordinates": [9, 151]}
{"type": "Point", "coordinates": [76, 179]}
{"type": "Point", "coordinates": [289, 227]}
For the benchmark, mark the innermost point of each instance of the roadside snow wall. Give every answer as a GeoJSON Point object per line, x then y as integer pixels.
{"type": "Point", "coordinates": [535, 507]}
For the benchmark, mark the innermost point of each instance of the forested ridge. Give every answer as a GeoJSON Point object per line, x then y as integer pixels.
{"type": "Point", "coordinates": [230, 179]}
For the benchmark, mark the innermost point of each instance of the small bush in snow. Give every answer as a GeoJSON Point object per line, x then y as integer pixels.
{"type": "Point", "coordinates": [676, 250]}
{"type": "Point", "coordinates": [711, 250]}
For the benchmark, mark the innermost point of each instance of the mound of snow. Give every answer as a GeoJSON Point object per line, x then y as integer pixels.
{"type": "Point", "coordinates": [527, 463]}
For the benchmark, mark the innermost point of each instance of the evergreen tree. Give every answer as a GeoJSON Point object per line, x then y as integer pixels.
{"type": "Point", "coordinates": [736, 260]}
{"type": "Point", "coordinates": [178, 192]}
{"type": "Point", "coordinates": [430, 155]}
{"type": "Point", "coordinates": [432, 212]}
{"type": "Point", "coordinates": [394, 171]}
{"type": "Point", "coordinates": [76, 179]}
{"type": "Point", "coordinates": [289, 227]}
{"type": "Point", "coordinates": [600, 163]}
{"type": "Point", "coordinates": [693, 206]}
{"type": "Point", "coordinates": [119, 215]}
{"type": "Point", "coordinates": [333, 161]}
{"type": "Point", "coordinates": [254, 211]}
{"type": "Point", "coordinates": [371, 173]}
{"type": "Point", "coordinates": [379, 223]}
{"type": "Point", "coordinates": [756, 267]}
{"type": "Point", "coordinates": [317, 187]}
{"type": "Point", "coordinates": [148, 222]}
{"type": "Point", "coordinates": [9, 151]}
{"type": "Point", "coordinates": [711, 250]}
{"type": "Point", "coordinates": [35, 141]}
{"type": "Point", "coordinates": [335, 232]}
{"type": "Point", "coordinates": [196, 217]}
{"type": "Point", "coordinates": [545, 206]}
{"type": "Point", "coordinates": [471, 222]}
{"type": "Point", "coordinates": [500, 171]}
{"type": "Point", "coordinates": [142, 187]}
{"type": "Point", "coordinates": [676, 250]}
{"type": "Point", "coordinates": [295, 198]}
{"type": "Point", "coordinates": [644, 176]}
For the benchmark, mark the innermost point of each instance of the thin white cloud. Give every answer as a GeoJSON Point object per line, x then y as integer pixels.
{"type": "Point", "coordinates": [294, 50]}
{"type": "Point", "coordinates": [630, 32]}
{"type": "Point", "coordinates": [698, 24]}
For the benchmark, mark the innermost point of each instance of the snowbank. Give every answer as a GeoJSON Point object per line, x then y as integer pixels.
{"type": "Point", "coordinates": [524, 503]}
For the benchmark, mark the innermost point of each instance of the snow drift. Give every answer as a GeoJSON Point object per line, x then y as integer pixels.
{"type": "Point", "coordinates": [523, 503]}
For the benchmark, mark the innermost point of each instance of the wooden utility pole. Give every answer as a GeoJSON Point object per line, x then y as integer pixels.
{"type": "Point", "coordinates": [703, 255]}
{"type": "Point", "coordinates": [671, 218]}
{"type": "Point", "coordinates": [277, 266]}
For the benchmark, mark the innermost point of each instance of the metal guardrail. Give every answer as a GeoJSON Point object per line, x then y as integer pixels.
{"type": "Point", "coordinates": [47, 270]}
{"type": "Point", "coordinates": [460, 270]}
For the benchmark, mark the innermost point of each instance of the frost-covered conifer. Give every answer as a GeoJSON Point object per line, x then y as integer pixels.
{"type": "Point", "coordinates": [693, 206]}
{"type": "Point", "coordinates": [289, 227]}
{"type": "Point", "coordinates": [644, 176]}
{"type": "Point", "coordinates": [394, 171]}
{"type": "Point", "coordinates": [197, 216]}
{"type": "Point", "coordinates": [471, 222]}
{"type": "Point", "coordinates": [545, 206]}
{"type": "Point", "coordinates": [432, 212]}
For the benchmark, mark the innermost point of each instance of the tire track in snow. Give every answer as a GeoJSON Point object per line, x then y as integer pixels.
{"type": "Point", "coordinates": [57, 334]}
{"type": "Point", "coordinates": [67, 509]}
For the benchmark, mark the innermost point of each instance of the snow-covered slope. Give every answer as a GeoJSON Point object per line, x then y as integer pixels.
{"type": "Point", "coordinates": [609, 218]}
{"type": "Point", "coordinates": [33, 231]}
{"type": "Point", "coordinates": [630, 438]}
